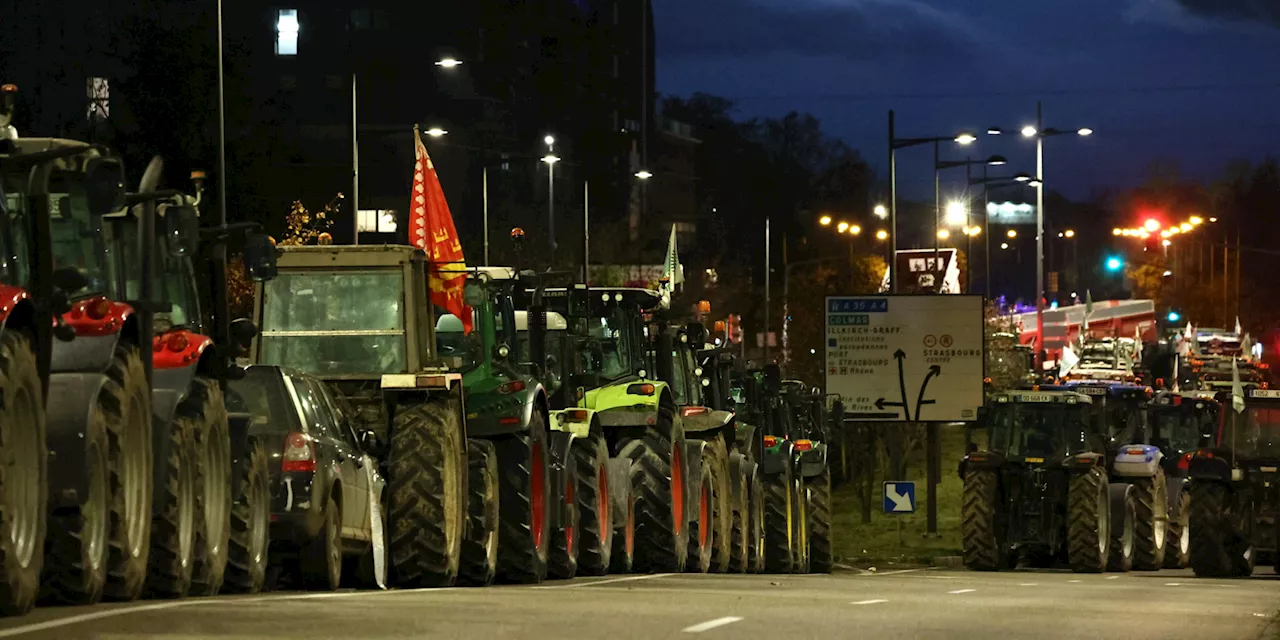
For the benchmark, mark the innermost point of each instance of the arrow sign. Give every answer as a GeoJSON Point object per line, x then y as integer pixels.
{"type": "Point", "coordinates": [935, 370]}
{"type": "Point", "coordinates": [899, 497]}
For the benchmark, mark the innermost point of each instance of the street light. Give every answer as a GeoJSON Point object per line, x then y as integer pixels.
{"type": "Point", "coordinates": [881, 211]}
{"type": "Point", "coordinates": [448, 63]}
{"type": "Point", "coordinates": [840, 228]}
{"type": "Point", "coordinates": [882, 235]}
{"type": "Point", "coordinates": [943, 234]}
{"type": "Point", "coordinates": [643, 175]}
{"type": "Point", "coordinates": [435, 132]}
{"type": "Point", "coordinates": [551, 159]}
{"type": "Point", "coordinates": [824, 220]}
{"type": "Point", "coordinates": [854, 230]}
{"type": "Point", "coordinates": [1151, 225]}
{"type": "Point", "coordinates": [957, 214]}
{"type": "Point", "coordinates": [1070, 233]}
{"type": "Point", "coordinates": [1012, 233]}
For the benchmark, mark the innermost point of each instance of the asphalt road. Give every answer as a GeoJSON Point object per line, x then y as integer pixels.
{"type": "Point", "coordinates": [904, 604]}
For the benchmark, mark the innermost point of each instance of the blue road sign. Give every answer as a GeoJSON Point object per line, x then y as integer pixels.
{"type": "Point", "coordinates": [899, 497]}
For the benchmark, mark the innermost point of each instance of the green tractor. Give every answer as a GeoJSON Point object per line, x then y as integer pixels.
{"type": "Point", "coordinates": [811, 428]}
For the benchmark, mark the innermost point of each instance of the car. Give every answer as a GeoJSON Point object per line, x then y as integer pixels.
{"type": "Point", "coordinates": [323, 476]}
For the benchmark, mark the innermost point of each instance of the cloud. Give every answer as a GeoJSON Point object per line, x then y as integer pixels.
{"type": "Point", "coordinates": [841, 29]}
{"type": "Point", "coordinates": [1203, 16]}
{"type": "Point", "coordinates": [1266, 12]}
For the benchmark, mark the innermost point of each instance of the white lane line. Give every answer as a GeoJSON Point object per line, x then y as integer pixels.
{"type": "Point", "coordinates": [1173, 584]}
{"type": "Point", "coordinates": [1029, 584]}
{"type": "Point", "coordinates": [1074, 581]}
{"type": "Point", "coordinates": [609, 581]}
{"type": "Point", "coordinates": [878, 601]}
{"type": "Point", "coordinates": [891, 573]}
{"type": "Point", "coordinates": [960, 591]}
{"type": "Point", "coordinates": [1260, 615]}
{"type": "Point", "coordinates": [1113, 577]}
{"type": "Point", "coordinates": [711, 624]}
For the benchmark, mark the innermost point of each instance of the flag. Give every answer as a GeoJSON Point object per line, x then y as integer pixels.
{"type": "Point", "coordinates": [1238, 329]}
{"type": "Point", "coordinates": [431, 229]}
{"type": "Point", "coordinates": [1237, 391]}
{"type": "Point", "coordinates": [1176, 374]}
{"type": "Point", "coordinates": [672, 270]}
{"type": "Point", "coordinates": [1068, 361]}
{"type": "Point", "coordinates": [1088, 308]}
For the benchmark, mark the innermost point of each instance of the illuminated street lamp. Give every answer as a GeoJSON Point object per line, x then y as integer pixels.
{"type": "Point", "coordinates": [957, 214]}
{"type": "Point", "coordinates": [824, 220]}
{"type": "Point", "coordinates": [840, 228]}
{"type": "Point", "coordinates": [881, 211]}
{"type": "Point", "coordinates": [435, 132]}
{"type": "Point", "coordinates": [448, 63]}
{"type": "Point", "coordinates": [882, 235]}
{"type": "Point", "coordinates": [644, 175]}
{"type": "Point", "coordinates": [854, 230]}
{"type": "Point", "coordinates": [943, 234]}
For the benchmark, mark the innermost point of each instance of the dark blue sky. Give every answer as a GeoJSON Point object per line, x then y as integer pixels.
{"type": "Point", "coordinates": [1196, 82]}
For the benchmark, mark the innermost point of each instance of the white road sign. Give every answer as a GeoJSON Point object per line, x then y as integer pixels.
{"type": "Point", "coordinates": [907, 357]}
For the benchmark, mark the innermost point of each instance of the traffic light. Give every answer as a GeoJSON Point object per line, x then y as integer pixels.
{"type": "Point", "coordinates": [1174, 316]}
{"type": "Point", "coordinates": [1114, 263]}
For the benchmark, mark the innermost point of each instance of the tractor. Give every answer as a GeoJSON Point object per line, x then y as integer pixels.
{"type": "Point", "coordinates": [1235, 488]}
{"type": "Point", "coordinates": [1181, 423]}
{"type": "Point", "coordinates": [359, 318]}
{"type": "Point", "coordinates": [1041, 486]}
{"type": "Point", "coordinates": [812, 422]}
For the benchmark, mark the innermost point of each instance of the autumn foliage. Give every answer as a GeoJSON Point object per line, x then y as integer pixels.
{"type": "Point", "coordinates": [302, 227]}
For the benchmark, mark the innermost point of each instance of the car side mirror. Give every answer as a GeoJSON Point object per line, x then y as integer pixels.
{"type": "Point", "coordinates": [181, 229]}
{"type": "Point", "coordinates": [370, 442]}
{"type": "Point", "coordinates": [260, 257]}
{"type": "Point", "coordinates": [243, 331]}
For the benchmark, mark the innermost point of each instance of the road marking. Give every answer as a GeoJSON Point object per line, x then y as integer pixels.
{"type": "Point", "coordinates": [711, 624]}
{"type": "Point", "coordinates": [869, 601]}
{"type": "Point", "coordinates": [960, 591]}
{"type": "Point", "coordinates": [1113, 577]}
{"type": "Point", "coordinates": [890, 573]}
{"type": "Point", "coordinates": [1260, 615]}
{"type": "Point", "coordinates": [609, 581]}
{"type": "Point", "coordinates": [1173, 584]}
{"type": "Point", "coordinates": [942, 577]}
{"type": "Point", "coordinates": [1029, 584]}
{"type": "Point", "coordinates": [1074, 581]}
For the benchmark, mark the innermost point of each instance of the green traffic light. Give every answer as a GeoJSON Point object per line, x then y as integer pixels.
{"type": "Point", "coordinates": [1114, 263]}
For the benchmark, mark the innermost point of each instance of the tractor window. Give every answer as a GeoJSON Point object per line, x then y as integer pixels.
{"type": "Point", "coordinates": [1254, 433]}
{"type": "Point", "coordinates": [78, 236]}
{"type": "Point", "coordinates": [335, 323]}
{"type": "Point", "coordinates": [1182, 429]}
{"type": "Point", "coordinates": [612, 335]}
{"type": "Point", "coordinates": [680, 385]}
{"type": "Point", "coordinates": [1038, 430]}
{"type": "Point", "coordinates": [451, 342]}
{"type": "Point", "coordinates": [15, 250]}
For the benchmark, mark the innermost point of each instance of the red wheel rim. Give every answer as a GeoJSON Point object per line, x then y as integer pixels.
{"type": "Point", "coordinates": [703, 530]}
{"type": "Point", "coordinates": [537, 497]}
{"type": "Point", "coordinates": [568, 530]}
{"type": "Point", "coordinates": [677, 488]}
{"type": "Point", "coordinates": [602, 502]}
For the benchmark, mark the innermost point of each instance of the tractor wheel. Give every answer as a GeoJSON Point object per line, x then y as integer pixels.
{"type": "Point", "coordinates": [739, 549]}
{"type": "Point", "coordinates": [1211, 533]}
{"type": "Point", "coordinates": [24, 485]}
{"type": "Point", "coordinates": [755, 523]}
{"type": "Point", "coordinates": [173, 538]}
{"type": "Point", "coordinates": [980, 530]}
{"type": "Point", "coordinates": [562, 558]}
{"type": "Point", "coordinates": [1123, 546]}
{"type": "Point", "coordinates": [623, 555]}
{"type": "Point", "coordinates": [427, 488]}
{"type": "Point", "coordinates": [479, 563]}
{"type": "Point", "coordinates": [132, 467]}
{"type": "Point", "coordinates": [524, 530]}
{"type": "Point", "coordinates": [75, 569]}
{"type": "Point", "coordinates": [702, 538]}
{"type": "Point", "coordinates": [1151, 526]}
{"type": "Point", "coordinates": [590, 457]}
{"type": "Point", "coordinates": [662, 523]}
{"type": "Point", "coordinates": [820, 554]}
{"type": "Point", "coordinates": [1088, 522]}
{"type": "Point", "coordinates": [1177, 552]}
{"type": "Point", "coordinates": [717, 455]}
{"type": "Point", "coordinates": [250, 526]}
{"type": "Point", "coordinates": [778, 528]}
{"type": "Point", "coordinates": [1243, 552]}
{"type": "Point", "coordinates": [321, 560]}
{"type": "Point", "coordinates": [800, 524]}
{"type": "Point", "coordinates": [209, 411]}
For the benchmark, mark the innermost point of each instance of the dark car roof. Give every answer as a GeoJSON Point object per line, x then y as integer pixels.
{"type": "Point", "coordinates": [262, 393]}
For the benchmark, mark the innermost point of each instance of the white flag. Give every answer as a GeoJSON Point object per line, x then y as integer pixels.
{"type": "Point", "coordinates": [672, 270]}
{"type": "Point", "coordinates": [1237, 391]}
{"type": "Point", "coordinates": [1068, 361]}
{"type": "Point", "coordinates": [1238, 329]}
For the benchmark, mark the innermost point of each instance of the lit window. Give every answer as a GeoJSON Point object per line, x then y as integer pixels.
{"type": "Point", "coordinates": [98, 91]}
{"type": "Point", "coordinates": [376, 221]}
{"type": "Point", "coordinates": [287, 28]}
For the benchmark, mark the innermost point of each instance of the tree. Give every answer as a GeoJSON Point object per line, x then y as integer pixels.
{"type": "Point", "coordinates": [301, 228]}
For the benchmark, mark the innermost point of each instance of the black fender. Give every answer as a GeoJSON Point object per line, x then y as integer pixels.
{"type": "Point", "coordinates": [559, 447]}
{"type": "Point", "coordinates": [711, 423]}
{"type": "Point", "coordinates": [84, 353]}
{"type": "Point", "coordinates": [1117, 493]}
{"type": "Point", "coordinates": [980, 460]}
{"type": "Point", "coordinates": [1175, 485]}
{"type": "Point", "coordinates": [777, 461]}
{"type": "Point", "coordinates": [483, 421]}
{"type": "Point", "coordinates": [693, 449]}
{"type": "Point", "coordinates": [744, 436]}
{"type": "Point", "coordinates": [1204, 466]}
{"type": "Point", "coordinates": [813, 461]}
{"type": "Point", "coordinates": [73, 397]}
{"type": "Point", "coordinates": [620, 492]}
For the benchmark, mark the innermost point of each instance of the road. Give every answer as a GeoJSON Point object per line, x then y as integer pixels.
{"type": "Point", "coordinates": [914, 604]}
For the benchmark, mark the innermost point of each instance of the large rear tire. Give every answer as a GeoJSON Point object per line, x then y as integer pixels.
{"type": "Point", "coordinates": [132, 466]}
{"type": "Point", "coordinates": [1151, 526]}
{"type": "Point", "coordinates": [1123, 545]}
{"type": "Point", "coordinates": [755, 523]}
{"type": "Point", "coordinates": [322, 558]}
{"type": "Point", "coordinates": [779, 556]}
{"type": "Point", "coordinates": [428, 494]}
{"type": "Point", "coordinates": [479, 564]}
{"type": "Point", "coordinates": [623, 556]}
{"type": "Point", "coordinates": [662, 531]}
{"type": "Point", "coordinates": [209, 412]}
{"type": "Point", "coordinates": [1211, 532]}
{"type": "Point", "coordinates": [739, 547]}
{"type": "Point", "coordinates": [24, 485]}
{"type": "Point", "coordinates": [821, 556]}
{"type": "Point", "coordinates": [75, 569]}
{"type": "Point", "coordinates": [250, 526]}
{"type": "Point", "coordinates": [1088, 522]}
{"type": "Point", "coordinates": [980, 531]}
{"type": "Point", "coordinates": [524, 533]}
{"type": "Point", "coordinates": [1177, 553]}
{"type": "Point", "coordinates": [717, 456]}
{"type": "Point", "coordinates": [562, 557]}
{"type": "Point", "coordinates": [173, 539]}
{"type": "Point", "coordinates": [702, 540]}
{"type": "Point", "coordinates": [590, 457]}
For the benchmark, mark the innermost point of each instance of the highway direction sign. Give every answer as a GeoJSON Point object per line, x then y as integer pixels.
{"type": "Point", "coordinates": [899, 497]}
{"type": "Point", "coordinates": [906, 357]}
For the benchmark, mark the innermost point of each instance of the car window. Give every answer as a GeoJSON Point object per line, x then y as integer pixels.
{"type": "Point", "coordinates": [314, 413]}
{"type": "Point", "coordinates": [343, 421]}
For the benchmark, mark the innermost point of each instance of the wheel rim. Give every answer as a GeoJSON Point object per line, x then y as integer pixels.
{"type": "Point", "coordinates": [536, 497]}
{"type": "Point", "coordinates": [133, 460]}
{"type": "Point", "coordinates": [186, 510]}
{"type": "Point", "coordinates": [258, 519]}
{"type": "Point", "coordinates": [94, 510]}
{"type": "Point", "coordinates": [602, 502]}
{"type": "Point", "coordinates": [569, 529]}
{"type": "Point", "coordinates": [677, 488]}
{"type": "Point", "coordinates": [1104, 520]}
{"type": "Point", "coordinates": [216, 490]}
{"type": "Point", "coordinates": [704, 528]}
{"type": "Point", "coordinates": [1162, 523]}
{"type": "Point", "coordinates": [25, 495]}
{"type": "Point", "coordinates": [1126, 537]}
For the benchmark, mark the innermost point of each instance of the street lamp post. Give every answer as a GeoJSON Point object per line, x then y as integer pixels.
{"type": "Point", "coordinates": [986, 181]}
{"type": "Point", "coordinates": [967, 163]}
{"type": "Point", "coordinates": [551, 161]}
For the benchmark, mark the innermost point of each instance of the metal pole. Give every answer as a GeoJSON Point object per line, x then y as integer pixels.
{"type": "Point", "coordinates": [893, 209]}
{"type": "Point", "coordinates": [1226, 280]}
{"type": "Point", "coordinates": [222, 131]}
{"type": "Point", "coordinates": [766, 290]}
{"type": "Point", "coordinates": [1039, 240]}
{"type": "Point", "coordinates": [986, 220]}
{"type": "Point", "coordinates": [1239, 257]}
{"type": "Point", "coordinates": [968, 238]}
{"type": "Point", "coordinates": [937, 220]}
{"type": "Point", "coordinates": [355, 161]}
{"type": "Point", "coordinates": [586, 231]}
{"type": "Point", "coordinates": [484, 197]}
{"type": "Point", "coordinates": [551, 210]}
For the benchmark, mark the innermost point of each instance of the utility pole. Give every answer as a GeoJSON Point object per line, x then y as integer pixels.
{"type": "Point", "coordinates": [222, 130]}
{"type": "Point", "coordinates": [767, 268]}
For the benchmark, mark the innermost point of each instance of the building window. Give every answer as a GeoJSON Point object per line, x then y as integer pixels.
{"type": "Point", "coordinates": [98, 91]}
{"type": "Point", "coordinates": [376, 221]}
{"type": "Point", "coordinates": [287, 28]}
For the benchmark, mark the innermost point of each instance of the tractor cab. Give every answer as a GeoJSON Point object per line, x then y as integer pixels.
{"type": "Point", "coordinates": [1040, 428]}
{"type": "Point", "coordinates": [1118, 409]}
{"type": "Point", "coordinates": [1181, 423]}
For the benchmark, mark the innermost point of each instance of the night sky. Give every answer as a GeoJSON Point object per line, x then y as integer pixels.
{"type": "Point", "coordinates": [1193, 82]}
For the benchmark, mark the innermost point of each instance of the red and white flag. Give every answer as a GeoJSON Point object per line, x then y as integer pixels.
{"type": "Point", "coordinates": [431, 229]}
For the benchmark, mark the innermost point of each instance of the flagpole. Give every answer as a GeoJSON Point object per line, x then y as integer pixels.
{"type": "Point", "coordinates": [484, 195]}
{"type": "Point", "coordinates": [355, 163]}
{"type": "Point", "coordinates": [766, 291]}
{"type": "Point", "coordinates": [586, 231]}
{"type": "Point", "coordinates": [222, 132]}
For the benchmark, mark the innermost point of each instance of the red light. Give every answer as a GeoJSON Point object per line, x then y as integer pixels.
{"type": "Point", "coordinates": [509, 420]}
{"type": "Point", "coordinates": [98, 308]}
{"type": "Point", "coordinates": [1152, 225]}
{"type": "Point", "coordinates": [511, 387]}
{"type": "Point", "coordinates": [177, 342]}
{"type": "Point", "coordinates": [299, 456]}
{"type": "Point", "coordinates": [1184, 462]}
{"type": "Point", "coordinates": [770, 441]}
{"type": "Point", "coordinates": [693, 411]}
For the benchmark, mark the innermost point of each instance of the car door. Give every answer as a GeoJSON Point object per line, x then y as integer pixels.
{"type": "Point", "coordinates": [332, 451]}
{"type": "Point", "coordinates": [355, 515]}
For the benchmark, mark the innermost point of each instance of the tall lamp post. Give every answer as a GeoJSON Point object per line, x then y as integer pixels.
{"type": "Point", "coordinates": [967, 163]}
{"type": "Point", "coordinates": [1039, 132]}
{"type": "Point", "coordinates": [895, 143]}
{"type": "Point", "coordinates": [987, 181]}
